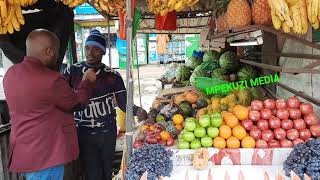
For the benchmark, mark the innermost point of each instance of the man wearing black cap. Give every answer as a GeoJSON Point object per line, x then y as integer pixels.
{"type": "Point", "coordinates": [97, 123]}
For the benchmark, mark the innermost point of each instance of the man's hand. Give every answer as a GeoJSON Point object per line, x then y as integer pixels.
{"type": "Point", "coordinates": [90, 75]}
{"type": "Point", "coordinates": [142, 114]}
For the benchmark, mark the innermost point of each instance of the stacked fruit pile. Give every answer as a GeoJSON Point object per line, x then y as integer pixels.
{"type": "Point", "coordinates": [223, 65]}
{"type": "Point", "coordinates": [165, 6]}
{"type": "Point", "coordinates": [73, 3]}
{"type": "Point", "coordinates": [280, 123]}
{"type": "Point", "coordinates": [219, 130]}
{"type": "Point", "coordinates": [11, 17]}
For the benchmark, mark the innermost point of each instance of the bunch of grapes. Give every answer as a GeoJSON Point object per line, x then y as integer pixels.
{"type": "Point", "coordinates": [305, 158]}
{"type": "Point", "coordinates": [153, 158]}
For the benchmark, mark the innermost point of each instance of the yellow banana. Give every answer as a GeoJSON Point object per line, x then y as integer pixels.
{"type": "Point", "coordinates": [193, 2]}
{"type": "Point", "coordinates": [285, 28]}
{"type": "Point", "coordinates": [19, 15]}
{"type": "Point", "coordinates": [179, 5]}
{"type": "Point", "coordinates": [10, 15]}
{"type": "Point", "coordinates": [17, 2]}
{"type": "Point", "coordinates": [4, 11]}
{"type": "Point", "coordinates": [295, 14]}
{"type": "Point", "coordinates": [286, 13]}
{"type": "Point", "coordinates": [24, 3]}
{"type": "Point", "coordinates": [15, 23]}
{"type": "Point", "coordinates": [171, 3]}
{"type": "Point", "coordinates": [30, 2]}
{"type": "Point", "coordinates": [10, 2]}
{"type": "Point", "coordinates": [10, 28]}
{"type": "Point", "coordinates": [316, 24]}
{"type": "Point", "coordinates": [304, 18]}
{"type": "Point", "coordinates": [292, 2]}
{"type": "Point", "coordinates": [314, 10]}
{"type": "Point", "coordinates": [4, 30]}
{"type": "Point", "coordinates": [278, 9]}
{"type": "Point", "coordinates": [34, 1]}
{"type": "Point", "coordinates": [309, 7]}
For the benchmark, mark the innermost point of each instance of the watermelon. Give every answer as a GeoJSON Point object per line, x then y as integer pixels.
{"type": "Point", "coordinates": [229, 61]}
{"type": "Point", "coordinates": [199, 71]}
{"type": "Point", "coordinates": [183, 73]}
{"type": "Point", "coordinates": [218, 73]}
{"type": "Point", "coordinates": [247, 73]}
{"type": "Point", "coordinates": [194, 62]}
{"type": "Point", "coordinates": [210, 56]}
{"type": "Point", "coordinates": [210, 66]}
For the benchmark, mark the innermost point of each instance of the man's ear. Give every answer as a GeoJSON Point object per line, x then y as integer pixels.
{"type": "Point", "coordinates": [49, 51]}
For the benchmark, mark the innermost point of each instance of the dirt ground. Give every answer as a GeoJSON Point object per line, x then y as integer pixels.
{"type": "Point", "coordinates": [149, 85]}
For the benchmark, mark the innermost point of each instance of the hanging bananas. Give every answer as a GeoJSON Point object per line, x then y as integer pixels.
{"type": "Point", "coordinates": [162, 7]}
{"type": "Point", "coordinates": [12, 18]}
{"type": "Point", "coordinates": [111, 7]}
{"type": "Point", "coordinates": [290, 15]}
{"type": "Point", "coordinates": [73, 3]}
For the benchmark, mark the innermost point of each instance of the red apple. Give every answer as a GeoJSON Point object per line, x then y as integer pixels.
{"type": "Point", "coordinates": [269, 104]}
{"type": "Point", "coordinates": [315, 130]}
{"type": "Point", "coordinates": [311, 119]}
{"type": "Point", "coordinates": [247, 124]}
{"type": "Point", "coordinates": [261, 143]}
{"type": "Point", "coordinates": [306, 108]}
{"type": "Point", "coordinates": [297, 141]}
{"type": "Point", "coordinates": [254, 115]}
{"type": "Point", "coordinates": [274, 112]}
{"type": "Point", "coordinates": [285, 143]}
{"type": "Point", "coordinates": [256, 105]}
{"type": "Point", "coordinates": [263, 125]}
{"type": "Point", "coordinates": [283, 114]}
{"type": "Point", "coordinates": [267, 135]}
{"type": "Point", "coordinates": [293, 102]}
{"type": "Point", "coordinates": [299, 124]}
{"type": "Point", "coordinates": [274, 122]}
{"type": "Point", "coordinates": [170, 142]}
{"type": "Point", "coordinates": [294, 114]}
{"type": "Point", "coordinates": [281, 104]}
{"type": "Point", "coordinates": [273, 144]}
{"type": "Point", "coordinates": [286, 124]}
{"type": "Point", "coordinates": [305, 134]}
{"type": "Point", "coordinates": [255, 133]}
{"type": "Point", "coordinates": [280, 134]}
{"type": "Point", "coordinates": [292, 134]}
{"type": "Point", "coordinates": [266, 113]}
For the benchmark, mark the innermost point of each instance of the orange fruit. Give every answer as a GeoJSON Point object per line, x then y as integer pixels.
{"type": "Point", "coordinates": [225, 131]}
{"type": "Point", "coordinates": [230, 119]}
{"type": "Point", "coordinates": [219, 143]}
{"type": "Point", "coordinates": [165, 135]}
{"type": "Point", "coordinates": [144, 127]}
{"type": "Point", "coordinates": [152, 128]}
{"type": "Point", "coordinates": [239, 132]}
{"type": "Point", "coordinates": [179, 127]}
{"type": "Point", "coordinates": [233, 142]}
{"type": "Point", "coordinates": [177, 119]}
{"type": "Point", "coordinates": [248, 142]}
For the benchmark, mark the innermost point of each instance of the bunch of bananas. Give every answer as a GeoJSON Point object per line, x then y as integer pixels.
{"type": "Point", "coordinates": [291, 15]}
{"type": "Point", "coordinates": [162, 7]}
{"type": "Point", "coordinates": [313, 11]}
{"type": "Point", "coordinates": [11, 15]}
{"type": "Point", "coordinates": [111, 7]}
{"type": "Point", "coordinates": [73, 3]}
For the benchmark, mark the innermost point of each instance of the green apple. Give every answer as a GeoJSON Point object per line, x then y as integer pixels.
{"type": "Point", "coordinates": [190, 126]}
{"type": "Point", "coordinates": [216, 115]}
{"type": "Point", "coordinates": [196, 144]}
{"type": "Point", "coordinates": [188, 136]}
{"type": "Point", "coordinates": [212, 131]}
{"type": "Point", "coordinates": [216, 122]}
{"type": "Point", "coordinates": [200, 132]}
{"type": "Point", "coordinates": [190, 119]}
{"type": "Point", "coordinates": [204, 120]}
{"type": "Point", "coordinates": [184, 145]}
{"type": "Point", "coordinates": [206, 141]}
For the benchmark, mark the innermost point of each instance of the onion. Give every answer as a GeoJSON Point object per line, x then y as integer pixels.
{"type": "Point", "coordinates": [269, 104]}
{"type": "Point", "coordinates": [280, 134]}
{"type": "Point", "coordinates": [266, 113]}
{"type": "Point", "coordinates": [261, 143]}
{"type": "Point", "coordinates": [267, 135]}
{"type": "Point", "coordinates": [285, 143]}
{"type": "Point", "coordinates": [273, 144]}
{"type": "Point", "coordinates": [274, 122]}
{"type": "Point", "coordinates": [287, 124]}
{"type": "Point", "coordinates": [305, 134]}
{"type": "Point", "coordinates": [297, 141]}
{"type": "Point", "coordinates": [306, 108]}
{"type": "Point", "coordinates": [294, 113]}
{"type": "Point", "coordinates": [281, 104]}
{"type": "Point", "coordinates": [256, 105]}
{"type": "Point", "coordinates": [299, 124]}
{"type": "Point", "coordinates": [292, 134]}
{"type": "Point", "coordinates": [263, 124]}
{"type": "Point", "coordinates": [315, 130]}
{"type": "Point", "coordinates": [283, 114]}
{"type": "Point", "coordinates": [255, 133]}
{"type": "Point", "coordinates": [293, 102]}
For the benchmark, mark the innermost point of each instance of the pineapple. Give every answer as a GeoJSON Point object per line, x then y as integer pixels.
{"type": "Point", "coordinates": [261, 12]}
{"type": "Point", "coordinates": [222, 24]}
{"type": "Point", "coordinates": [238, 13]}
{"type": "Point", "coordinates": [219, 11]}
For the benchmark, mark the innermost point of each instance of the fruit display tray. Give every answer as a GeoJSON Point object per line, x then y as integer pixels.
{"type": "Point", "coordinates": [242, 156]}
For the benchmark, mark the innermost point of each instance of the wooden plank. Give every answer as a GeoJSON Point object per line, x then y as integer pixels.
{"type": "Point", "coordinates": [292, 55]}
{"type": "Point", "coordinates": [300, 94]}
{"type": "Point", "coordinates": [300, 70]}
{"type": "Point", "coordinates": [262, 65]}
{"type": "Point", "coordinates": [313, 65]}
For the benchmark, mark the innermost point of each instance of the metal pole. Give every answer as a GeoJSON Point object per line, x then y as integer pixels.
{"type": "Point", "coordinates": [138, 72]}
{"type": "Point", "coordinates": [129, 79]}
{"type": "Point", "coordinates": [109, 43]}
